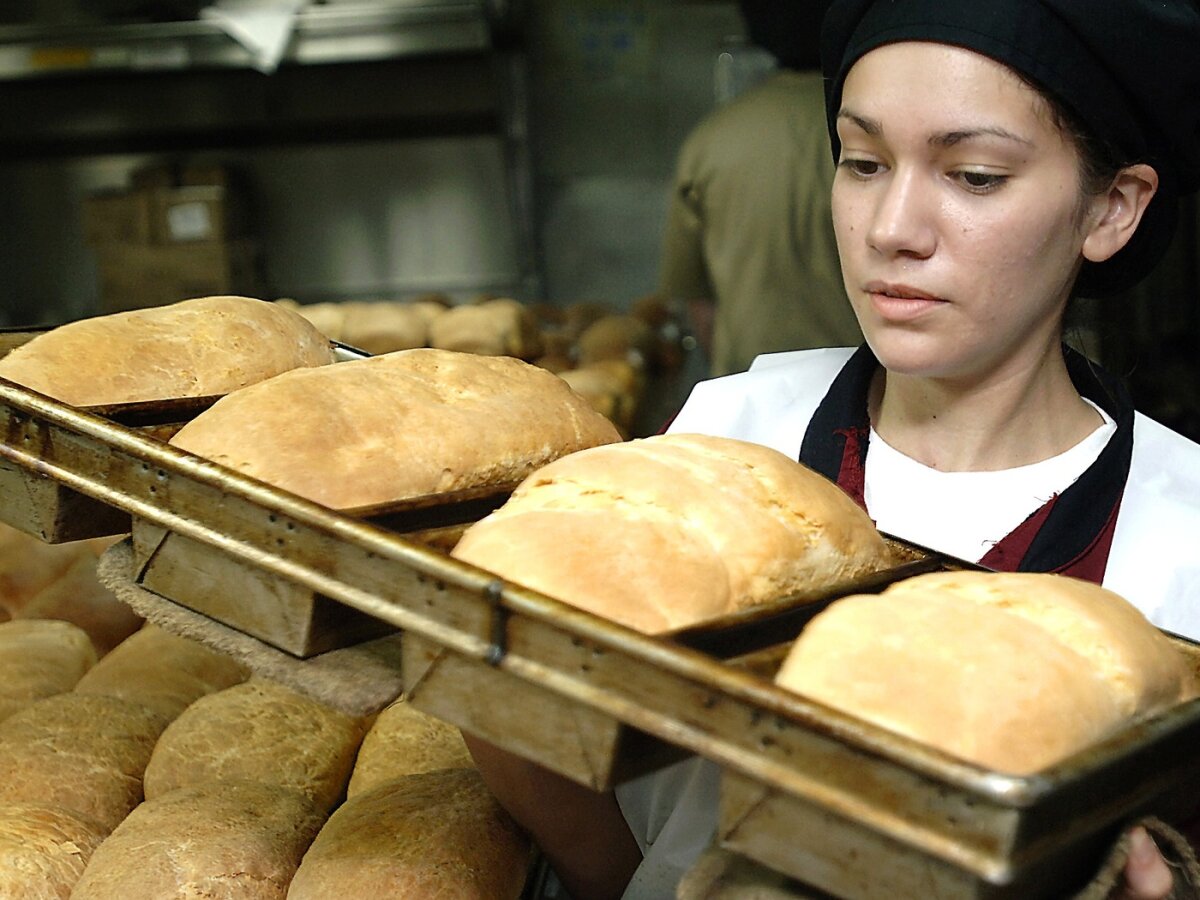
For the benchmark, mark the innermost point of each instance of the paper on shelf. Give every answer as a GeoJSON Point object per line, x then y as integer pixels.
{"type": "Point", "coordinates": [263, 27]}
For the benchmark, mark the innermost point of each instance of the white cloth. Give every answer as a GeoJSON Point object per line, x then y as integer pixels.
{"type": "Point", "coordinates": [1154, 563]}
{"type": "Point", "coordinates": [965, 513]}
{"type": "Point", "coordinates": [263, 27]}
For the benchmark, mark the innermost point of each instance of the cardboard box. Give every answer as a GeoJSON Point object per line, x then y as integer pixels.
{"type": "Point", "coordinates": [134, 276]}
{"type": "Point", "coordinates": [117, 217]}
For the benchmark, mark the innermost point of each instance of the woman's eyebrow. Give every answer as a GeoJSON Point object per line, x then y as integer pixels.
{"type": "Point", "coordinates": [950, 138]}
{"type": "Point", "coordinates": [870, 126]}
{"type": "Point", "coordinates": [874, 128]}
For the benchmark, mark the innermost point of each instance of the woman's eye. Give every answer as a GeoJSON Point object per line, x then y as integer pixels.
{"type": "Point", "coordinates": [863, 168]}
{"type": "Point", "coordinates": [980, 182]}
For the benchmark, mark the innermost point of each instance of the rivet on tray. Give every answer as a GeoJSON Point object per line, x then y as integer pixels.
{"type": "Point", "coordinates": [498, 647]}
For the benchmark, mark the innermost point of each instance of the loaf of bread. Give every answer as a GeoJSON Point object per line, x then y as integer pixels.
{"type": "Point", "coordinates": [327, 318]}
{"type": "Point", "coordinates": [616, 337]}
{"type": "Point", "coordinates": [195, 348]}
{"type": "Point", "coordinates": [384, 327]}
{"type": "Point", "coordinates": [499, 327]}
{"type": "Point", "coordinates": [396, 426]}
{"type": "Point", "coordinates": [40, 658]}
{"type": "Point", "coordinates": [258, 731]}
{"type": "Point", "coordinates": [28, 566]}
{"type": "Point", "coordinates": [1010, 671]}
{"type": "Point", "coordinates": [668, 531]}
{"type": "Point", "coordinates": [236, 839]}
{"type": "Point", "coordinates": [438, 834]}
{"type": "Point", "coordinates": [83, 752]}
{"type": "Point", "coordinates": [405, 741]}
{"type": "Point", "coordinates": [79, 597]}
{"type": "Point", "coordinates": [161, 670]}
{"type": "Point", "coordinates": [43, 850]}
{"type": "Point", "coordinates": [611, 386]}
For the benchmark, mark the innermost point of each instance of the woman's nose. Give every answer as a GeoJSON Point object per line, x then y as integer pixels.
{"type": "Point", "coordinates": [902, 224]}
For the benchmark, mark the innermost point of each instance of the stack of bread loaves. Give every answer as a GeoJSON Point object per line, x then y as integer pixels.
{"type": "Point", "coordinates": [1013, 672]}
{"type": "Point", "coordinates": [668, 531]}
{"type": "Point", "coordinates": [40, 658]}
{"type": "Point", "coordinates": [417, 822]}
{"type": "Point", "coordinates": [397, 426]}
{"type": "Point", "coordinates": [194, 348]}
{"type": "Point", "coordinates": [59, 581]}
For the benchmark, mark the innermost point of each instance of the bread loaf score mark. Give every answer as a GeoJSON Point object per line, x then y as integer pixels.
{"type": "Point", "coordinates": [668, 531]}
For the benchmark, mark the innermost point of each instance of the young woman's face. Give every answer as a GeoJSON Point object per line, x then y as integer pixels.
{"type": "Point", "coordinates": [957, 210]}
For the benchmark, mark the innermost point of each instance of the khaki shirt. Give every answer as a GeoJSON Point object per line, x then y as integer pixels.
{"type": "Point", "coordinates": [749, 225]}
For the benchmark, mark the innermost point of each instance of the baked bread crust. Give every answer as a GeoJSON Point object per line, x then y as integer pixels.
{"type": "Point", "coordinates": [194, 348]}
{"type": "Point", "coordinates": [437, 834]}
{"type": "Point", "coordinates": [405, 741]}
{"type": "Point", "coordinates": [43, 850]}
{"type": "Point", "coordinates": [258, 731]}
{"type": "Point", "coordinates": [1013, 671]}
{"type": "Point", "coordinates": [229, 839]}
{"type": "Point", "coordinates": [396, 426]}
{"type": "Point", "coordinates": [668, 531]}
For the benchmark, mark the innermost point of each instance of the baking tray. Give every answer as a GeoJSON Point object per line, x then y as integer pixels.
{"type": "Point", "coordinates": [589, 745]}
{"type": "Point", "coordinates": [810, 773]}
{"type": "Point", "coordinates": [864, 814]}
{"type": "Point", "coordinates": [276, 610]}
{"type": "Point", "coordinates": [36, 504]}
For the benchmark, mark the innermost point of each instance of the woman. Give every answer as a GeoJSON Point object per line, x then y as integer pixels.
{"type": "Point", "coordinates": [993, 160]}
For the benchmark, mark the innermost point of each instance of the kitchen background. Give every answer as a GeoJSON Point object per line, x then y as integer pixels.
{"type": "Point", "coordinates": [514, 147]}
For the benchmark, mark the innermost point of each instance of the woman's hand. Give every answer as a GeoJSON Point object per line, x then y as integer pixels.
{"type": "Point", "coordinates": [1147, 875]}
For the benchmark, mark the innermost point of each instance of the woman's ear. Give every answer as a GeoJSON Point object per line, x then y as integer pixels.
{"type": "Point", "coordinates": [1118, 211]}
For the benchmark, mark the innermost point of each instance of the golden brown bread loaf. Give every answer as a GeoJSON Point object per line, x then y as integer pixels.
{"type": "Point", "coordinates": [1010, 671]}
{"type": "Point", "coordinates": [400, 425]}
{"type": "Point", "coordinates": [668, 531]}
{"type": "Point", "coordinates": [228, 840]}
{"type": "Point", "coordinates": [616, 337]}
{"type": "Point", "coordinates": [40, 658]}
{"type": "Point", "coordinates": [83, 752]}
{"type": "Point", "coordinates": [405, 741]}
{"type": "Point", "coordinates": [28, 566]}
{"type": "Point", "coordinates": [258, 731]}
{"type": "Point", "coordinates": [43, 850]}
{"type": "Point", "coordinates": [434, 835]}
{"type": "Point", "coordinates": [78, 596]}
{"type": "Point", "coordinates": [612, 386]}
{"type": "Point", "coordinates": [499, 327]}
{"type": "Point", "coordinates": [384, 327]}
{"type": "Point", "coordinates": [327, 318]}
{"type": "Point", "coordinates": [195, 348]}
{"type": "Point", "coordinates": [161, 670]}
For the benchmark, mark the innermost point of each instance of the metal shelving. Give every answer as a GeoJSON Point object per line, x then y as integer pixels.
{"type": "Point", "coordinates": [333, 33]}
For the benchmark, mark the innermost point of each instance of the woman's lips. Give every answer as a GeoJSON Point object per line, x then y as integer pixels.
{"type": "Point", "coordinates": [901, 303]}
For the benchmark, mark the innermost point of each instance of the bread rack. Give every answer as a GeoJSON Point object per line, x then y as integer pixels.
{"type": "Point", "coordinates": [920, 822]}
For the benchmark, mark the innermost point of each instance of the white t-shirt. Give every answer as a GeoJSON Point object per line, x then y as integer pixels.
{"type": "Point", "coordinates": [965, 513]}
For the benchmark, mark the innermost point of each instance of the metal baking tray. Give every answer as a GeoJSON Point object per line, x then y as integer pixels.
{"type": "Point", "coordinates": [905, 819]}
{"type": "Point", "coordinates": [36, 504]}
{"type": "Point", "coordinates": [276, 610]}
{"type": "Point", "coordinates": [865, 814]}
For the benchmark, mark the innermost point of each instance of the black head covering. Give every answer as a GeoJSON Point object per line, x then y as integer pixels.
{"type": "Point", "coordinates": [790, 30]}
{"type": "Point", "coordinates": [1129, 70]}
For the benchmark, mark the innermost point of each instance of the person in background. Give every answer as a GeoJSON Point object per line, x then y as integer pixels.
{"type": "Point", "coordinates": [749, 244]}
{"type": "Point", "coordinates": [994, 160]}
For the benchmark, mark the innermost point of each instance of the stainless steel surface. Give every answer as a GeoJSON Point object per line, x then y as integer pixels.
{"type": "Point", "coordinates": [910, 801]}
{"type": "Point", "coordinates": [340, 32]}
